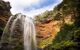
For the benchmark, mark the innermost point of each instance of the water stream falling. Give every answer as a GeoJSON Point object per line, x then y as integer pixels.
{"type": "Point", "coordinates": [29, 35]}
{"type": "Point", "coordinates": [19, 32]}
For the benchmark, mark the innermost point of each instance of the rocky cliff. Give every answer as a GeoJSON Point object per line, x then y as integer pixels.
{"type": "Point", "coordinates": [58, 21]}
{"type": "Point", "coordinates": [4, 14]}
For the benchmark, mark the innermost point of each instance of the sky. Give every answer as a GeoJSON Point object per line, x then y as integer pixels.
{"type": "Point", "coordinates": [32, 7]}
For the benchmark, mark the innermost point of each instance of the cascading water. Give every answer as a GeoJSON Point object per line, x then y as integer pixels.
{"type": "Point", "coordinates": [19, 32]}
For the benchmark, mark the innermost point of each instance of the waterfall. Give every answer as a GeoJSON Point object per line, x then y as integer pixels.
{"type": "Point", "coordinates": [19, 32]}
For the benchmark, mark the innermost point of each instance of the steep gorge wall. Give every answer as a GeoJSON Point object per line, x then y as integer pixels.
{"type": "Point", "coordinates": [4, 14]}
{"type": "Point", "coordinates": [51, 22]}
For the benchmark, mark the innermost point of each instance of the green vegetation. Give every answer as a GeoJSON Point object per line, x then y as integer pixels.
{"type": "Point", "coordinates": [66, 38]}
{"type": "Point", "coordinates": [69, 35]}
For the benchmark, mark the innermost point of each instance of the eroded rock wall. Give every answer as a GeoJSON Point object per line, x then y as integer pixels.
{"type": "Point", "coordinates": [49, 23]}
{"type": "Point", "coordinates": [4, 14]}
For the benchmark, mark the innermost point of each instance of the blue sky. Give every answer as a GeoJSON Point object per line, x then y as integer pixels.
{"type": "Point", "coordinates": [32, 7]}
{"type": "Point", "coordinates": [43, 4]}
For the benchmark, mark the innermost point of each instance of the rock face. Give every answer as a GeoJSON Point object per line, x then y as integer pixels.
{"type": "Point", "coordinates": [47, 32]}
{"type": "Point", "coordinates": [50, 23]}
{"type": "Point", "coordinates": [4, 14]}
